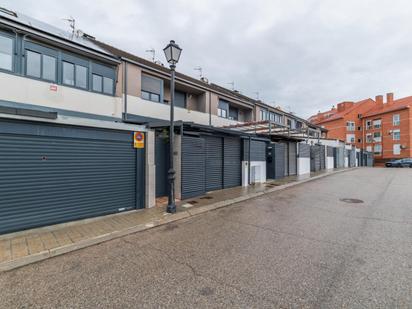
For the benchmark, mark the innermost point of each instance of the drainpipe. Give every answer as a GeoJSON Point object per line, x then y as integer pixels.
{"type": "Point", "coordinates": [248, 172]}
{"type": "Point", "coordinates": [210, 108]}
{"type": "Point", "coordinates": [125, 91]}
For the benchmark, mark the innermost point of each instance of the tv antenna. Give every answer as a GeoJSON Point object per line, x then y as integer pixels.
{"type": "Point", "coordinates": [198, 68]}
{"type": "Point", "coordinates": [233, 85]}
{"type": "Point", "coordinates": [72, 24]}
{"type": "Point", "coordinates": [257, 95]}
{"type": "Point", "coordinates": [153, 52]}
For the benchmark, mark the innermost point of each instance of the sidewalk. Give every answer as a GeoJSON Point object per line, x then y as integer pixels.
{"type": "Point", "coordinates": [26, 247]}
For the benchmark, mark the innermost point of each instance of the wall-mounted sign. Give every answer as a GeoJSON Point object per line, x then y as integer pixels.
{"type": "Point", "coordinates": [138, 139]}
{"type": "Point", "coordinates": [53, 87]}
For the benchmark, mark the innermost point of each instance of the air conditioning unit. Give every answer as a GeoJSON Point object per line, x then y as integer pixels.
{"type": "Point", "coordinates": [403, 146]}
{"type": "Point", "coordinates": [390, 132]}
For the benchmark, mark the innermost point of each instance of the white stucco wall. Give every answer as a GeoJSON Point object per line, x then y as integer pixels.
{"type": "Point", "coordinates": [25, 90]}
{"type": "Point", "coordinates": [138, 106]}
{"type": "Point", "coordinates": [329, 162]}
{"type": "Point", "coordinates": [346, 161]}
{"type": "Point", "coordinates": [259, 174]}
{"type": "Point", "coordinates": [303, 166]}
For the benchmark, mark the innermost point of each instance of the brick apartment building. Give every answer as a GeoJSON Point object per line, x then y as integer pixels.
{"type": "Point", "coordinates": [383, 128]}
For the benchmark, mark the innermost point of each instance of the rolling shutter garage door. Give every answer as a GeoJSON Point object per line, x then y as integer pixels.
{"type": "Point", "coordinates": [52, 174]}
{"type": "Point", "coordinates": [232, 162]}
{"type": "Point", "coordinates": [292, 158]}
{"type": "Point", "coordinates": [193, 166]}
{"type": "Point", "coordinates": [214, 163]}
{"type": "Point", "coordinates": [279, 160]}
{"type": "Point", "coordinates": [322, 157]}
{"type": "Point", "coordinates": [315, 158]}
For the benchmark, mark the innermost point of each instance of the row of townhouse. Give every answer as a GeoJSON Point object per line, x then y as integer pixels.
{"type": "Point", "coordinates": [71, 108]}
{"type": "Point", "coordinates": [380, 126]}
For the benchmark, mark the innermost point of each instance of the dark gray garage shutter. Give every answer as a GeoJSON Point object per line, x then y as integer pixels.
{"type": "Point", "coordinates": [315, 159]}
{"type": "Point", "coordinates": [322, 157]}
{"type": "Point", "coordinates": [232, 162]}
{"type": "Point", "coordinates": [193, 166]}
{"type": "Point", "coordinates": [162, 164]}
{"type": "Point", "coordinates": [279, 160]}
{"type": "Point", "coordinates": [304, 150]}
{"type": "Point", "coordinates": [214, 163]}
{"type": "Point", "coordinates": [292, 158]}
{"type": "Point", "coordinates": [51, 174]}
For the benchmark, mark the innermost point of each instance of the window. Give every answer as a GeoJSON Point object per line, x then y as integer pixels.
{"type": "Point", "coordinates": [33, 64]}
{"type": "Point", "coordinates": [152, 88]}
{"type": "Point", "coordinates": [299, 125]}
{"type": "Point", "coordinates": [6, 53]}
{"type": "Point", "coordinates": [377, 149]}
{"type": "Point", "coordinates": [97, 83]}
{"type": "Point", "coordinates": [180, 99]}
{"type": "Point", "coordinates": [377, 124]}
{"type": "Point", "coordinates": [368, 124]}
{"type": "Point", "coordinates": [397, 149]}
{"type": "Point", "coordinates": [40, 66]}
{"type": "Point", "coordinates": [278, 118]}
{"type": "Point", "coordinates": [359, 128]}
{"type": "Point", "coordinates": [81, 76]}
{"type": "Point", "coordinates": [272, 116]}
{"type": "Point", "coordinates": [233, 113]}
{"type": "Point", "coordinates": [350, 126]}
{"type": "Point", "coordinates": [68, 73]}
{"type": "Point", "coordinates": [264, 114]}
{"type": "Point", "coordinates": [223, 109]}
{"type": "Point", "coordinates": [107, 85]}
{"type": "Point", "coordinates": [49, 68]}
{"type": "Point", "coordinates": [350, 138]}
{"type": "Point", "coordinates": [359, 140]}
{"type": "Point", "coordinates": [369, 148]}
{"type": "Point", "coordinates": [292, 124]}
{"type": "Point", "coordinates": [396, 135]}
{"type": "Point", "coordinates": [377, 137]}
{"type": "Point", "coordinates": [396, 119]}
{"type": "Point", "coordinates": [369, 138]}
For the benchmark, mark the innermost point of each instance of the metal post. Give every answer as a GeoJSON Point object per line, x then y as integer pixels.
{"type": "Point", "coordinates": [171, 207]}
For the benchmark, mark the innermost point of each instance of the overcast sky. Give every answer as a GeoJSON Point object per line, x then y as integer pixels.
{"type": "Point", "coordinates": [303, 55]}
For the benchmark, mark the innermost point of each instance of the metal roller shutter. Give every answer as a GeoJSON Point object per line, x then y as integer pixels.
{"type": "Point", "coordinates": [279, 160]}
{"type": "Point", "coordinates": [214, 163]}
{"type": "Point", "coordinates": [304, 150]}
{"type": "Point", "coordinates": [162, 164]}
{"type": "Point", "coordinates": [232, 162]}
{"type": "Point", "coordinates": [322, 157]}
{"type": "Point", "coordinates": [193, 167]}
{"type": "Point", "coordinates": [292, 158]}
{"type": "Point", "coordinates": [315, 163]}
{"type": "Point", "coordinates": [52, 174]}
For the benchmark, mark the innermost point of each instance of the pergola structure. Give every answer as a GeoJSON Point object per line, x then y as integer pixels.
{"type": "Point", "coordinates": [271, 128]}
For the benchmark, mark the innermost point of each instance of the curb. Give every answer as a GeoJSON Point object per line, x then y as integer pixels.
{"type": "Point", "coordinates": [10, 265]}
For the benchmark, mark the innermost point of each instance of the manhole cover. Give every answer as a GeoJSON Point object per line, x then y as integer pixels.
{"type": "Point", "coordinates": [351, 200]}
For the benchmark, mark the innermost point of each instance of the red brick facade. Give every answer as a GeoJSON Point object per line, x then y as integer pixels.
{"type": "Point", "coordinates": [383, 128]}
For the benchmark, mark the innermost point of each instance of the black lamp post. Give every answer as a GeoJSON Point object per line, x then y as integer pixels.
{"type": "Point", "coordinates": [172, 52]}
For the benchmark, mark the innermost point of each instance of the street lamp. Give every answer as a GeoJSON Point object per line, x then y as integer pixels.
{"type": "Point", "coordinates": [172, 52]}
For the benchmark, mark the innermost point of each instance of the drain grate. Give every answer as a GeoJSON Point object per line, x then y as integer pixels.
{"type": "Point", "coordinates": [192, 202]}
{"type": "Point", "coordinates": [206, 197]}
{"type": "Point", "coordinates": [351, 200]}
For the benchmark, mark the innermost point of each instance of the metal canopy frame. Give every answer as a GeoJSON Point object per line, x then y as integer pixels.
{"type": "Point", "coordinates": [270, 129]}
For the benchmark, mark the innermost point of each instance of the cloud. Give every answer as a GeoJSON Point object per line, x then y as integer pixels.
{"type": "Point", "coordinates": [308, 55]}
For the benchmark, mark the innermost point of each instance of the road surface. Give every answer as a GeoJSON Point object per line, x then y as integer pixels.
{"type": "Point", "coordinates": [302, 247]}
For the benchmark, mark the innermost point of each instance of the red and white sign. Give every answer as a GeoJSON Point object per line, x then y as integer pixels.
{"type": "Point", "coordinates": [138, 138]}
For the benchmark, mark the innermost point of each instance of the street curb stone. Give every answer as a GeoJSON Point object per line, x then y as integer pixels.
{"type": "Point", "coordinates": [190, 212]}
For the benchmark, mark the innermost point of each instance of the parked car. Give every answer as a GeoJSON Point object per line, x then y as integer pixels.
{"type": "Point", "coordinates": [399, 163]}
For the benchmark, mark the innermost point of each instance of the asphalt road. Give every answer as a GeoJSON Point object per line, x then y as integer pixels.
{"type": "Point", "coordinates": [297, 248]}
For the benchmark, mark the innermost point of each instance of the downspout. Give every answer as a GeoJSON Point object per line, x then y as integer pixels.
{"type": "Point", "coordinates": [210, 108]}
{"type": "Point", "coordinates": [248, 164]}
{"type": "Point", "coordinates": [125, 91]}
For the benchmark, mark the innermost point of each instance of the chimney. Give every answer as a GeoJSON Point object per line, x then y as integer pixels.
{"type": "Point", "coordinates": [389, 98]}
{"type": "Point", "coordinates": [379, 100]}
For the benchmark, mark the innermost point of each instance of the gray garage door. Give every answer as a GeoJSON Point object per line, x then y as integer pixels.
{"type": "Point", "coordinates": [52, 174]}
{"type": "Point", "coordinates": [315, 158]}
{"type": "Point", "coordinates": [232, 162]}
{"type": "Point", "coordinates": [214, 163]}
{"type": "Point", "coordinates": [193, 166]}
{"type": "Point", "coordinates": [292, 156]}
{"type": "Point", "coordinates": [322, 157]}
